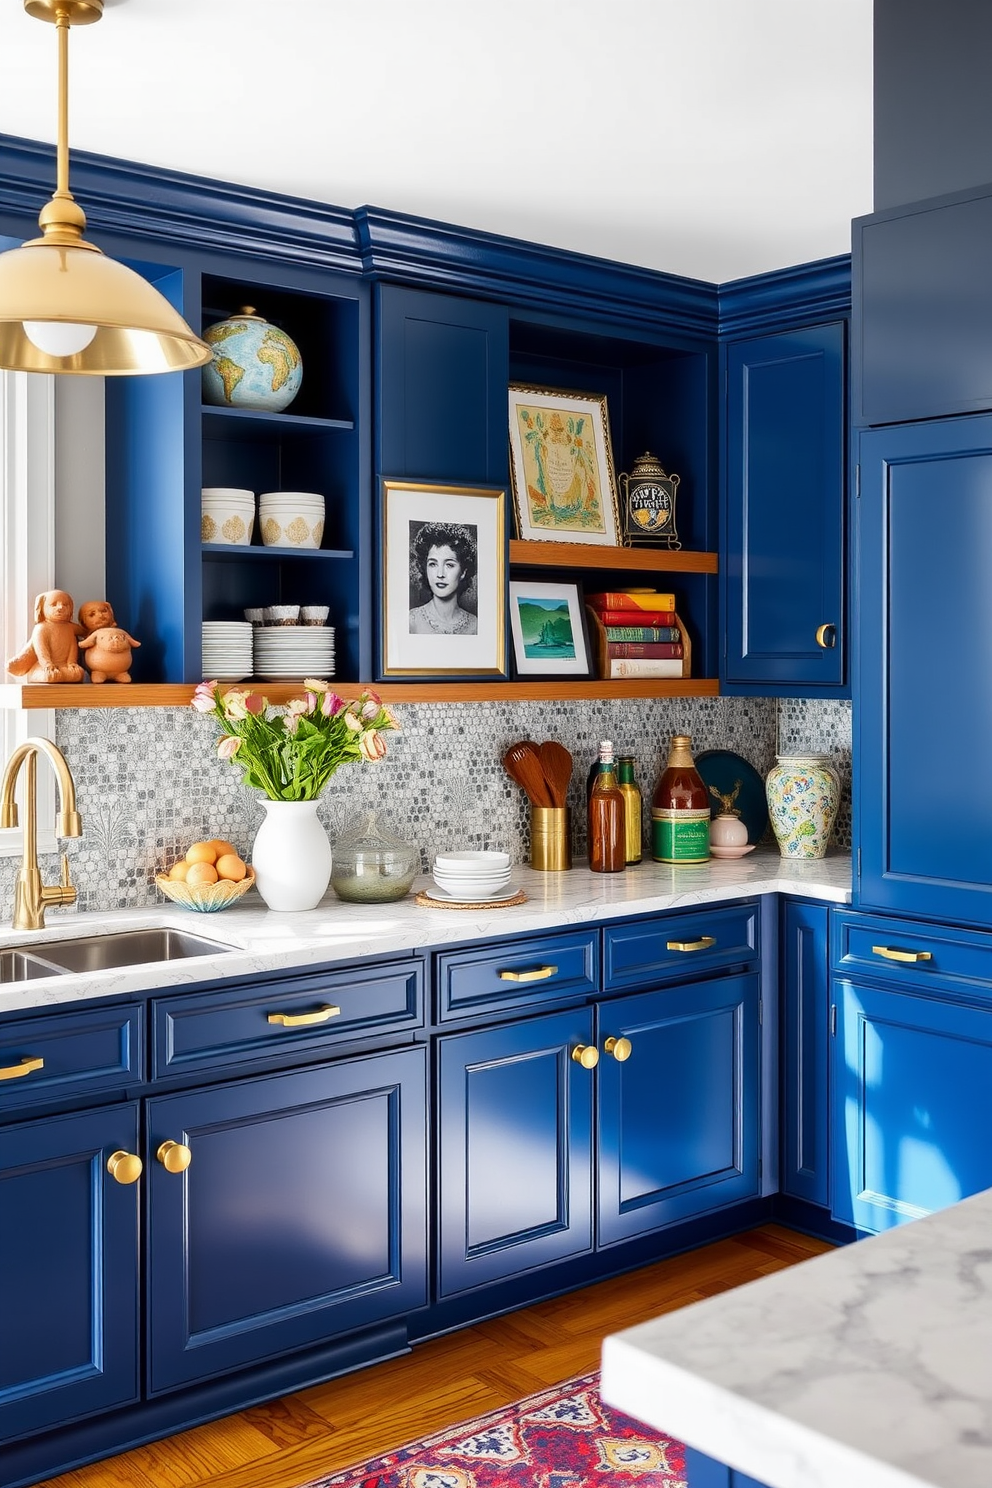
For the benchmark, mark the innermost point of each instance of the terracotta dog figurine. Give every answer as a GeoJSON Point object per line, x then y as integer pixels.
{"type": "Point", "coordinates": [52, 654]}
{"type": "Point", "coordinates": [93, 615]}
{"type": "Point", "coordinates": [108, 653]}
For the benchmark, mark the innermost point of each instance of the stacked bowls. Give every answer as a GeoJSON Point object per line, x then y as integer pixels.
{"type": "Point", "coordinates": [227, 515]}
{"type": "Point", "coordinates": [293, 651]}
{"type": "Point", "coordinates": [291, 519]}
{"type": "Point", "coordinates": [226, 649]}
{"type": "Point", "coordinates": [473, 877]}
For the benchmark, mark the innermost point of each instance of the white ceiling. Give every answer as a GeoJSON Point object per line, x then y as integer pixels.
{"type": "Point", "coordinates": [711, 138]}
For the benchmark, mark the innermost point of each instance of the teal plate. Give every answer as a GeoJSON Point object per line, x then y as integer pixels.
{"type": "Point", "coordinates": [722, 769]}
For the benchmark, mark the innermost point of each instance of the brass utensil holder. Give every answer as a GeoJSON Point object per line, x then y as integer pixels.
{"type": "Point", "coordinates": [551, 838]}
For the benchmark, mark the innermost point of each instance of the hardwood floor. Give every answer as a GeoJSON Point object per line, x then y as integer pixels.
{"type": "Point", "coordinates": [288, 1442]}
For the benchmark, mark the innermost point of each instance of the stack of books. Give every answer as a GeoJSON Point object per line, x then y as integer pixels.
{"type": "Point", "coordinates": [636, 633]}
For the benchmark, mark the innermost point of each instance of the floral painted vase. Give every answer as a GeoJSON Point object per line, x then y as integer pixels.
{"type": "Point", "coordinates": [803, 792]}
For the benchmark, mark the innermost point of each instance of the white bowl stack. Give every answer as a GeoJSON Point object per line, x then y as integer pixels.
{"type": "Point", "coordinates": [473, 877]}
{"type": "Point", "coordinates": [292, 651]}
{"type": "Point", "coordinates": [227, 515]}
{"type": "Point", "coordinates": [291, 519]}
{"type": "Point", "coordinates": [227, 649]}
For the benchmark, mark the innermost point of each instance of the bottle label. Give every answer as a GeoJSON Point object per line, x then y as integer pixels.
{"type": "Point", "coordinates": [680, 836]}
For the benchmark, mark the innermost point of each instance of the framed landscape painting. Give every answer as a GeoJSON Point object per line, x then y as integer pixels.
{"type": "Point", "coordinates": [561, 463]}
{"type": "Point", "coordinates": [547, 623]}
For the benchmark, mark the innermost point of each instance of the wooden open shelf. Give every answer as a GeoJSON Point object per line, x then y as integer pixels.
{"type": "Point", "coordinates": [177, 695]}
{"type": "Point", "coordinates": [588, 555]}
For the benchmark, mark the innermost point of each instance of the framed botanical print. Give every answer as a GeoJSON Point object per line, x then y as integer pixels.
{"type": "Point", "coordinates": [443, 581]}
{"type": "Point", "coordinates": [561, 463]}
{"type": "Point", "coordinates": [548, 626]}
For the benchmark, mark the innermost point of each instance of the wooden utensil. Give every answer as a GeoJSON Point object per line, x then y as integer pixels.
{"type": "Point", "coordinates": [556, 762]}
{"type": "Point", "coordinates": [522, 763]}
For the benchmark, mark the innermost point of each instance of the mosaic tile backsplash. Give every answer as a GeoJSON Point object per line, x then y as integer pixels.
{"type": "Point", "coordinates": [149, 783]}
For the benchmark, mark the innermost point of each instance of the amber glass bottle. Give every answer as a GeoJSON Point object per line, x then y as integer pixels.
{"type": "Point", "coordinates": [607, 817]}
{"type": "Point", "coordinates": [632, 801]}
{"type": "Point", "coordinates": [680, 811]}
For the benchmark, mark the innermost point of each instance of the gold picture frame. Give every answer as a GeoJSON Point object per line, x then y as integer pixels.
{"type": "Point", "coordinates": [561, 464]}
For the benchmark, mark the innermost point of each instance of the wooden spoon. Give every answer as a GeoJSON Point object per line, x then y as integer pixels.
{"type": "Point", "coordinates": [522, 763]}
{"type": "Point", "coordinates": [556, 762]}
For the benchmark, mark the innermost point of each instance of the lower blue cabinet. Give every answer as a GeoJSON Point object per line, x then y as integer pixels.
{"type": "Point", "coordinates": [301, 1215]}
{"type": "Point", "coordinates": [911, 1106]}
{"type": "Point", "coordinates": [804, 1064]}
{"type": "Point", "coordinates": [68, 1270]}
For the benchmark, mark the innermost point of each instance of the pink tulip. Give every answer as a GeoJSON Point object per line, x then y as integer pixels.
{"type": "Point", "coordinates": [371, 745]}
{"type": "Point", "coordinates": [352, 723]}
{"type": "Point", "coordinates": [228, 747]}
{"type": "Point", "coordinates": [204, 698]}
{"type": "Point", "coordinates": [331, 704]}
{"type": "Point", "coordinates": [255, 703]}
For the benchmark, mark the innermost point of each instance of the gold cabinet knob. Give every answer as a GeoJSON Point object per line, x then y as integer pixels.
{"type": "Point", "coordinates": [620, 1048]}
{"type": "Point", "coordinates": [174, 1157]}
{"type": "Point", "coordinates": [587, 1055]}
{"type": "Point", "coordinates": [124, 1167]}
{"type": "Point", "coordinates": [826, 636]}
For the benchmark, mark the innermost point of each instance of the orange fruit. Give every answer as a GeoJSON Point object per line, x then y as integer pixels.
{"type": "Point", "coordinates": [232, 867]}
{"type": "Point", "coordinates": [201, 873]}
{"type": "Point", "coordinates": [222, 848]}
{"type": "Point", "coordinates": [201, 852]}
{"type": "Point", "coordinates": [179, 870]}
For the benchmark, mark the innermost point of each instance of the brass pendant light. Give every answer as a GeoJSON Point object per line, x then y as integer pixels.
{"type": "Point", "coordinates": [64, 306]}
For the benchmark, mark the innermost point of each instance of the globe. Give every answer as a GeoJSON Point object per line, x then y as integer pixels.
{"type": "Point", "coordinates": [255, 365]}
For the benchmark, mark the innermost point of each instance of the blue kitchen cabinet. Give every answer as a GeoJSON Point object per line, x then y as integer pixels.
{"type": "Point", "coordinates": [301, 1215]}
{"type": "Point", "coordinates": [442, 369]}
{"type": "Point", "coordinates": [911, 1102]}
{"type": "Point", "coordinates": [68, 1270]}
{"type": "Point", "coordinates": [705, 1472]}
{"type": "Point", "coordinates": [785, 460]}
{"type": "Point", "coordinates": [804, 1055]}
{"type": "Point", "coordinates": [924, 820]}
{"type": "Point", "coordinates": [677, 1118]}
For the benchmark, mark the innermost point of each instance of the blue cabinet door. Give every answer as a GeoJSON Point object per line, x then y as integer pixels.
{"type": "Point", "coordinates": [912, 1105]}
{"type": "Point", "coordinates": [804, 1052]}
{"type": "Point", "coordinates": [302, 1214]}
{"type": "Point", "coordinates": [678, 1118]}
{"type": "Point", "coordinates": [515, 1148]}
{"type": "Point", "coordinates": [785, 464]}
{"type": "Point", "coordinates": [68, 1270]}
{"type": "Point", "coordinates": [924, 818]}
{"type": "Point", "coordinates": [441, 379]}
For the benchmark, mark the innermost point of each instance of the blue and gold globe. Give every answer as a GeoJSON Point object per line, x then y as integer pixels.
{"type": "Point", "coordinates": [255, 365]}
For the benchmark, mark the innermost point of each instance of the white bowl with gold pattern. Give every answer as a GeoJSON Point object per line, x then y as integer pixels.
{"type": "Point", "coordinates": [227, 515]}
{"type": "Point", "coordinates": [291, 519]}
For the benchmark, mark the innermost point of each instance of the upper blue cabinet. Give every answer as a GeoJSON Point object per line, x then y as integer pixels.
{"type": "Point", "coordinates": [784, 464]}
{"type": "Point", "coordinates": [922, 313]}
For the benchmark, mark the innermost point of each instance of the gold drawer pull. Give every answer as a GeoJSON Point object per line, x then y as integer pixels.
{"type": "Point", "coordinates": [587, 1055]}
{"type": "Point", "coordinates": [539, 974]}
{"type": "Point", "coordinates": [891, 955]}
{"type": "Point", "coordinates": [304, 1020]}
{"type": "Point", "coordinates": [26, 1066]}
{"type": "Point", "coordinates": [702, 944]}
{"type": "Point", "coordinates": [620, 1048]}
{"type": "Point", "coordinates": [174, 1157]}
{"type": "Point", "coordinates": [826, 636]}
{"type": "Point", "coordinates": [124, 1167]}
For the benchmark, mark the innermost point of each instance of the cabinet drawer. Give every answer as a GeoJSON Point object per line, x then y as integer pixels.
{"type": "Point", "coordinates": [521, 973]}
{"type": "Point", "coordinates": [307, 1012]}
{"type": "Point", "coordinates": [676, 945]}
{"type": "Point", "coordinates": [905, 953]}
{"type": "Point", "coordinates": [64, 1055]}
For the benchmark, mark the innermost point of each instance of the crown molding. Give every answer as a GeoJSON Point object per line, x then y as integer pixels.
{"type": "Point", "coordinates": [786, 298]}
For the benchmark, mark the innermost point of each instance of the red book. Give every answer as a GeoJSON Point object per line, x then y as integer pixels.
{"type": "Point", "coordinates": [636, 617]}
{"type": "Point", "coordinates": [644, 648]}
{"type": "Point", "coordinates": [632, 599]}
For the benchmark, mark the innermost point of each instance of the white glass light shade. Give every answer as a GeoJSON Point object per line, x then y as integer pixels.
{"type": "Point", "coordinates": [137, 330]}
{"type": "Point", "coordinates": [57, 338]}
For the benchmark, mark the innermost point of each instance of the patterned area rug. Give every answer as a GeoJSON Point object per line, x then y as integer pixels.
{"type": "Point", "coordinates": [564, 1437]}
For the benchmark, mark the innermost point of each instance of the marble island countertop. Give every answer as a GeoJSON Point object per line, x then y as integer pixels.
{"type": "Point", "coordinates": [264, 941]}
{"type": "Point", "coordinates": [868, 1367]}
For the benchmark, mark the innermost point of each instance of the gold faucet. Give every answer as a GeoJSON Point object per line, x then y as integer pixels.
{"type": "Point", "coordinates": [31, 895]}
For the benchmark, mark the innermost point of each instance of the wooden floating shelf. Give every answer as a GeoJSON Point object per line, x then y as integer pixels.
{"type": "Point", "coordinates": [588, 555]}
{"type": "Point", "coordinates": [178, 694]}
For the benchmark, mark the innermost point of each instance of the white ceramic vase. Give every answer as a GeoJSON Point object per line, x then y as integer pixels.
{"type": "Point", "coordinates": [803, 793]}
{"type": "Point", "coordinates": [291, 856]}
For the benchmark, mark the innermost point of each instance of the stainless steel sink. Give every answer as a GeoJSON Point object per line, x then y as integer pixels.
{"type": "Point", "coordinates": [105, 952]}
{"type": "Point", "coordinates": [19, 966]}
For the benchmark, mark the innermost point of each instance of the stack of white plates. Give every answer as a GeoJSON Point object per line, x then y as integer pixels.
{"type": "Point", "coordinates": [294, 651]}
{"type": "Point", "coordinates": [291, 519]}
{"type": "Point", "coordinates": [473, 877]}
{"type": "Point", "coordinates": [227, 515]}
{"type": "Point", "coordinates": [227, 653]}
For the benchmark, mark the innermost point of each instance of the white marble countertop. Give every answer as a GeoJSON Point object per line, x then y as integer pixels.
{"type": "Point", "coordinates": [868, 1367]}
{"type": "Point", "coordinates": [265, 941]}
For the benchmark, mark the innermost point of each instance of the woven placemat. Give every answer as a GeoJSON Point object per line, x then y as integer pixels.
{"type": "Point", "coordinates": [427, 901]}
